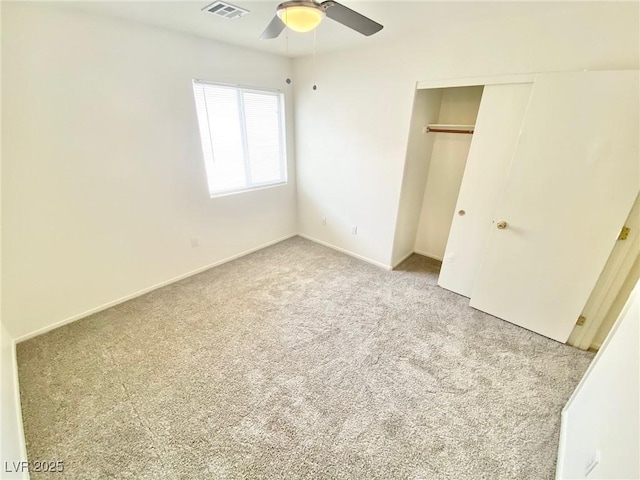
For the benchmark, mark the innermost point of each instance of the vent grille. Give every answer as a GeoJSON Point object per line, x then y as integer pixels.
{"type": "Point", "coordinates": [226, 10]}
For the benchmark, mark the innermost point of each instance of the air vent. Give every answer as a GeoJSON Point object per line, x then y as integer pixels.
{"type": "Point", "coordinates": [225, 10]}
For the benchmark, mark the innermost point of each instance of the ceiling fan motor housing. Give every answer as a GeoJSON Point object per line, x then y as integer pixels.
{"type": "Point", "coordinates": [300, 3]}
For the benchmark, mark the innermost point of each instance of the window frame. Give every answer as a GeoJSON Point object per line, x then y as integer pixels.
{"type": "Point", "coordinates": [282, 126]}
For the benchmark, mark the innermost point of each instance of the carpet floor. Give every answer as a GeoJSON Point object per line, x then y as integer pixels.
{"type": "Point", "coordinates": [297, 362]}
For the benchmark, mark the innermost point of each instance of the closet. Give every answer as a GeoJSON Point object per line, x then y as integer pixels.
{"type": "Point", "coordinates": [550, 178]}
{"type": "Point", "coordinates": [452, 133]}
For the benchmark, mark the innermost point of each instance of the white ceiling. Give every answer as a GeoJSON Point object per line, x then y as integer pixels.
{"type": "Point", "coordinates": [400, 18]}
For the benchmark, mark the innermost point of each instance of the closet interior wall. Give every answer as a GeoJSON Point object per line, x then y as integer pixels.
{"type": "Point", "coordinates": [426, 108]}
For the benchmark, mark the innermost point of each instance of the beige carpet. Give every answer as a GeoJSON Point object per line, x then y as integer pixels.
{"type": "Point", "coordinates": [297, 362]}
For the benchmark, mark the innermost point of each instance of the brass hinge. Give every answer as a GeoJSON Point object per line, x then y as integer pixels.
{"type": "Point", "coordinates": [624, 233]}
{"type": "Point", "coordinates": [581, 321]}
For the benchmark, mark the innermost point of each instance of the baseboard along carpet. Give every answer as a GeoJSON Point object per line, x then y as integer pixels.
{"type": "Point", "coordinates": [297, 362]}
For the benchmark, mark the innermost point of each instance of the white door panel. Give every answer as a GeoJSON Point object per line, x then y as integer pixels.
{"type": "Point", "coordinates": [498, 125]}
{"type": "Point", "coordinates": [571, 185]}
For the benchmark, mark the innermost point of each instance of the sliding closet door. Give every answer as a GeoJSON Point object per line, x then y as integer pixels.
{"type": "Point", "coordinates": [571, 185]}
{"type": "Point", "coordinates": [498, 125]}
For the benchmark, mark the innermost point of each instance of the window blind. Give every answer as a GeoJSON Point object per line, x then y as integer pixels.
{"type": "Point", "coordinates": [242, 137]}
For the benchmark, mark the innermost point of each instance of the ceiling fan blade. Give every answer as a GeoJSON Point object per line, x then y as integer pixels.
{"type": "Point", "coordinates": [274, 29]}
{"type": "Point", "coordinates": [350, 18]}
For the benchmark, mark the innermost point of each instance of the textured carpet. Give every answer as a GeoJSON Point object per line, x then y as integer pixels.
{"type": "Point", "coordinates": [297, 362]}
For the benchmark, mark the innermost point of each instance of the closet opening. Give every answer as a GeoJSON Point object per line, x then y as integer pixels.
{"type": "Point", "coordinates": [451, 132]}
{"type": "Point", "coordinates": [461, 144]}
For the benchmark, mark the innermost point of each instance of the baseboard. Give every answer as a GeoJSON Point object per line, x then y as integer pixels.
{"type": "Point", "coordinates": [430, 255]}
{"type": "Point", "coordinates": [348, 252]}
{"type": "Point", "coordinates": [144, 291]}
{"type": "Point", "coordinates": [561, 445]}
{"type": "Point", "coordinates": [14, 448]}
{"type": "Point", "coordinates": [16, 393]}
{"type": "Point", "coordinates": [395, 264]}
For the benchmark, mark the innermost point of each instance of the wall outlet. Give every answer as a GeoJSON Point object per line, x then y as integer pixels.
{"type": "Point", "coordinates": [324, 220]}
{"type": "Point", "coordinates": [592, 463]}
{"type": "Point", "coordinates": [195, 242]}
{"type": "Point", "coordinates": [354, 229]}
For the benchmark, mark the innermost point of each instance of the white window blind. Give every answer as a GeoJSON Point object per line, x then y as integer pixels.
{"type": "Point", "coordinates": [242, 133]}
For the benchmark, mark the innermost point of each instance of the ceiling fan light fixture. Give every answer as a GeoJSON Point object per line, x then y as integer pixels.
{"type": "Point", "coordinates": [301, 18]}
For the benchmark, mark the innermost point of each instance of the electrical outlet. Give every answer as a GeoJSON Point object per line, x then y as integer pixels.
{"type": "Point", "coordinates": [324, 220]}
{"type": "Point", "coordinates": [354, 229]}
{"type": "Point", "coordinates": [195, 242]}
{"type": "Point", "coordinates": [592, 463]}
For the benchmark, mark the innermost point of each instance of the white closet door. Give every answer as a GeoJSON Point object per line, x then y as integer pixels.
{"type": "Point", "coordinates": [498, 125]}
{"type": "Point", "coordinates": [571, 186]}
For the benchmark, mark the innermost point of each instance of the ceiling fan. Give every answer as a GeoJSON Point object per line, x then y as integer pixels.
{"type": "Point", "coordinates": [305, 15]}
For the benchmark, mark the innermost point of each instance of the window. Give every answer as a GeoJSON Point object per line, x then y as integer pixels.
{"type": "Point", "coordinates": [242, 133]}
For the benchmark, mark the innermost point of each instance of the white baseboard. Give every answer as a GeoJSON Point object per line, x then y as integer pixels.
{"type": "Point", "coordinates": [16, 392]}
{"type": "Point", "coordinates": [343, 250]}
{"type": "Point", "coordinates": [561, 444]}
{"type": "Point", "coordinates": [13, 444]}
{"type": "Point", "coordinates": [430, 255]}
{"type": "Point", "coordinates": [395, 264]}
{"type": "Point", "coordinates": [146, 290]}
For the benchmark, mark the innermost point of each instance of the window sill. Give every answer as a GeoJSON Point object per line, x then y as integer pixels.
{"type": "Point", "coordinates": [250, 189]}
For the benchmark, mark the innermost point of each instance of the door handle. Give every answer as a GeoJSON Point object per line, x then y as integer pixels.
{"type": "Point", "coordinates": [502, 224]}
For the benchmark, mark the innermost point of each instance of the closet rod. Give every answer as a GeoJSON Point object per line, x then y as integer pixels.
{"type": "Point", "coordinates": [468, 129]}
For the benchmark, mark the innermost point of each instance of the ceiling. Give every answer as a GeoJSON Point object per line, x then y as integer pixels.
{"type": "Point", "coordinates": [400, 18]}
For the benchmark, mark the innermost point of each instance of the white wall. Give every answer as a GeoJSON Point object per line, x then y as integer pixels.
{"type": "Point", "coordinates": [351, 133]}
{"type": "Point", "coordinates": [104, 182]}
{"type": "Point", "coordinates": [426, 108]}
{"type": "Point", "coordinates": [602, 415]}
{"type": "Point", "coordinates": [448, 159]}
{"type": "Point", "coordinates": [12, 444]}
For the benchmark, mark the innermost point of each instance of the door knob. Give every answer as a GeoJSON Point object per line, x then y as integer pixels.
{"type": "Point", "coordinates": [501, 225]}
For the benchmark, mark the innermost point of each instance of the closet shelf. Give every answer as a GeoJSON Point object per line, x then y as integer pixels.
{"type": "Point", "coordinates": [448, 128]}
